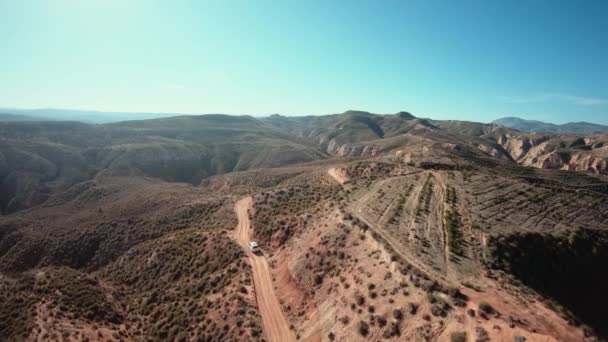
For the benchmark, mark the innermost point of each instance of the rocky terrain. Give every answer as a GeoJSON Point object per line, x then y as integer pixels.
{"type": "Point", "coordinates": [372, 227]}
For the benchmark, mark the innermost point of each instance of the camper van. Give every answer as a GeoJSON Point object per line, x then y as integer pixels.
{"type": "Point", "coordinates": [253, 245]}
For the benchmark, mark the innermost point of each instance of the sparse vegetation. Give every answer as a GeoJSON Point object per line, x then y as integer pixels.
{"type": "Point", "coordinates": [454, 232]}
{"type": "Point", "coordinates": [424, 201]}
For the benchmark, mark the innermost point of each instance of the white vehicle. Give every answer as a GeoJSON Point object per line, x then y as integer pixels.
{"type": "Point", "coordinates": [253, 245]}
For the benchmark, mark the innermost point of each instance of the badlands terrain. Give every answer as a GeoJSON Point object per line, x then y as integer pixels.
{"type": "Point", "coordinates": [372, 227]}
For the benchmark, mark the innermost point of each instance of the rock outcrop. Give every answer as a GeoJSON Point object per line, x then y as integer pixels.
{"type": "Point", "coordinates": [549, 151]}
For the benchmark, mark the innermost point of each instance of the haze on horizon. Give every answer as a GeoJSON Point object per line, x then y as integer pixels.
{"type": "Point", "coordinates": [475, 60]}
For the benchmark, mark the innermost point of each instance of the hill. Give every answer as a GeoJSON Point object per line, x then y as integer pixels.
{"type": "Point", "coordinates": [40, 158]}
{"type": "Point", "coordinates": [539, 126]}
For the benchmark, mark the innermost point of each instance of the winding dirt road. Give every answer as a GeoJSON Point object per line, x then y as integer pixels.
{"type": "Point", "coordinates": [276, 327]}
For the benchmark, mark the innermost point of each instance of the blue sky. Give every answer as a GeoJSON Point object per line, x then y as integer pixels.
{"type": "Point", "coordinates": [468, 60]}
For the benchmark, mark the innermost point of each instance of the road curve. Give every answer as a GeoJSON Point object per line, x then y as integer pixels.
{"type": "Point", "coordinates": [276, 327]}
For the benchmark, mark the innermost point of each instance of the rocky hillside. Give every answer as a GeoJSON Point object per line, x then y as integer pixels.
{"type": "Point", "coordinates": [546, 151]}
{"type": "Point", "coordinates": [42, 158]}
{"type": "Point", "coordinates": [541, 150]}
{"type": "Point", "coordinates": [125, 259]}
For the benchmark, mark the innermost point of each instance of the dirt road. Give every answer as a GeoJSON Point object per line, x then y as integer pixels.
{"type": "Point", "coordinates": [276, 327]}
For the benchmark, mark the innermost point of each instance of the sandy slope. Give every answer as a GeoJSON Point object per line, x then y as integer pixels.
{"type": "Point", "coordinates": [276, 327]}
{"type": "Point", "coordinates": [338, 174]}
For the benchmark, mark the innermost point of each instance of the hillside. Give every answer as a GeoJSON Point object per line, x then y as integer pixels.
{"type": "Point", "coordinates": [41, 158]}
{"type": "Point", "coordinates": [539, 126]}
{"type": "Point", "coordinates": [372, 227]}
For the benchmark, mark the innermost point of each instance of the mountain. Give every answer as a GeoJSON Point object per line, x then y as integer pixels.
{"type": "Point", "coordinates": [16, 117]}
{"type": "Point", "coordinates": [379, 227]}
{"type": "Point", "coordinates": [539, 126]}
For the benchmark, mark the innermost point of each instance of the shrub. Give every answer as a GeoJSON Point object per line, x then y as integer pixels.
{"type": "Point", "coordinates": [578, 142]}
{"type": "Point", "coordinates": [412, 308]}
{"type": "Point", "coordinates": [458, 337]}
{"type": "Point", "coordinates": [398, 314]}
{"type": "Point", "coordinates": [363, 328]}
{"type": "Point", "coordinates": [437, 310]}
{"type": "Point", "coordinates": [318, 279]}
{"type": "Point", "coordinates": [359, 299]}
{"type": "Point", "coordinates": [482, 335]}
{"type": "Point", "coordinates": [486, 308]}
{"type": "Point", "coordinates": [382, 321]}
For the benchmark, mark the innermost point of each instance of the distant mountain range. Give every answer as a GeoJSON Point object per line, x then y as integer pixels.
{"type": "Point", "coordinates": [539, 126]}
{"type": "Point", "coordinates": [17, 117]}
{"type": "Point", "coordinates": [87, 116]}
{"type": "Point", "coordinates": [99, 117]}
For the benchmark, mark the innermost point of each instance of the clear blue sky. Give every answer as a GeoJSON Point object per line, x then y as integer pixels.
{"type": "Point", "coordinates": [469, 60]}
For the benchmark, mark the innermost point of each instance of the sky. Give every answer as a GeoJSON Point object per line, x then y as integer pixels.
{"type": "Point", "coordinates": [467, 60]}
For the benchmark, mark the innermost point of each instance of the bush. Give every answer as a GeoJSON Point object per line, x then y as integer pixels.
{"type": "Point", "coordinates": [318, 279]}
{"type": "Point", "coordinates": [363, 328]}
{"type": "Point", "coordinates": [482, 335]}
{"type": "Point", "coordinates": [458, 337]}
{"type": "Point", "coordinates": [394, 329]}
{"type": "Point", "coordinates": [398, 314]}
{"type": "Point", "coordinates": [359, 299]}
{"type": "Point", "coordinates": [486, 308]}
{"type": "Point", "coordinates": [578, 142]}
{"type": "Point", "coordinates": [437, 310]}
